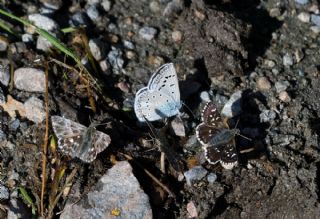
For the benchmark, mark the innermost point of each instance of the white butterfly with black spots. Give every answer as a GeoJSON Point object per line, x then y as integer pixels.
{"type": "Point", "coordinates": [79, 141]}
{"type": "Point", "coordinates": [161, 98]}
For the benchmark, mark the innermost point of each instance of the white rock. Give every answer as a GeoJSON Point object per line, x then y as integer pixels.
{"type": "Point", "coordinates": [304, 17]}
{"type": "Point", "coordinates": [29, 79]}
{"type": "Point", "coordinates": [233, 106]}
{"type": "Point", "coordinates": [97, 49]}
{"type": "Point", "coordinates": [117, 190]}
{"type": "Point", "coordinates": [43, 22]}
{"type": "Point", "coordinates": [35, 111]}
{"type": "Point", "coordinates": [4, 75]}
{"type": "Point", "coordinates": [147, 33]}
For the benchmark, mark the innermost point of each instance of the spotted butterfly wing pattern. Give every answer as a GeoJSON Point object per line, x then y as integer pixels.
{"type": "Point", "coordinates": [216, 137]}
{"type": "Point", "coordinates": [161, 98]}
{"type": "Point", "coordinates": [79, 141]}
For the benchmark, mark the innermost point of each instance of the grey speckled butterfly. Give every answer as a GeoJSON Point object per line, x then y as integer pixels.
{"type": "Point", "coordinates": [77, 140]}
{"type": "Point", "coordinates": [161, 98]}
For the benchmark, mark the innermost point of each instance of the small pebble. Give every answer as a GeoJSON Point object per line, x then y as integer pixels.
{"type": "Point", "coordinates": [281, 86]}
{"type": "Point", "coordinates": [35, 111]}
{"type": "Point", "coordinates": [3, 44]}
{"type": "Point", "coordinates": [275, 12]}
{"type": "Point", "coordinates": [284, 96]}
{"type": "Point", "coordinates": [79, 19]}
{"type": "Point", "coordinates": [195, 174]}
{"type": "Point", "coordinates": [131, 55]}
{"type": "Point", "coordinates": [4, 193]}
{"type": "Point", "coordinates": [156, 61]}
{"type": "Point", "coordinates": [29, 79]}
{"type": "Point", "coordinates": [212, 177]}
{"type": "Point", "coordinates": [204, 96]}
{"type": "Point", "coordinates": [192, 210]}
{"type": "Point", "coordinates": [315, 19]}
{"type": "Point", "coordinates": [43, 44]}
{"type": "Point", "coordinates": [147, 33]}
{"type": "Point", "coordinates": [105, 66]}
{"type": "Point", "coordinates": [233, 106]}
{"type": "Point", "coordinates": [304, 17]}
{"type": "Point", "coordinates": [128, 44]}
{"type": "Point", "coordinates": [299, 55]}
{"type": "Point", "coordinates": [93, 12]}
{"type": "Point", "coordinates": [116, 61]}
{"type": "Point", "coordinates": [177, 127]}
{"type": "Point", "coordinates": [302, 2]}
{"type": "Point", "coordinates": [263, 83]}
{"type": "Point", "coordinates": [267, 116]}
{"type": "Point", "coordinates": [269, 63]}
{"type": "Point", "coordinates": [287, 60]}
{"type": "Point", "coordinates": [43, 22]}
{"type": "Point", "coordinates": [315, 29]}
{"type": "Point", "coordinates": [97, 49]}
{"type": "Point", "coordinates": [14, 124]}
{"type": "Point", "coordinates": [176, 36]}
{"type": "Point", "coordinates": [27, 38]}
{"type": "Point", "coordinates": [4, 75]}
{"type": "Point", "coordinates": [52, 4]}
{"type": "Point", "coordinates": [154, 6]}
{"type": "Point", "coordinates": [106, 5]}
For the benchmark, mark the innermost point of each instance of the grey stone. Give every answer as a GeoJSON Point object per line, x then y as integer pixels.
{"type": "Point", "coordinates": [52, 4]}
{"type": "Point", "coordinates": [147, 33]}
{"type": "Point", "coordinates": [116, 61]}
{"type": "Point", "coordinates": [35, 111]}
{"type": "Point", "coordinates": [44, 22]}
{"type": "Point", "coordinates": [212, 177]}
{"type": "Point", "coordinates": [106, 5]}
{"type": "Point", "coordinates": [97, 49]}
{"type": "Point", "coordinates": [4, 75]}
{"type": "Point", "coordinates": [287, 60]}
{"type": "Point", "coordinates": [315, 29]}
{"type": "Point", "coordinates": [27, 38]}
{"type": "Point", "coordinates": [4, 193]}
{"type": "Point", "coordinates": [267, 116]}
{"type": "Point", "coordinates": [128, 44]}
{"type": "Point", "coordinates": [29, 79]}
{"type": "Point", "coordinates": [79, 18]}
{"type": "Point", "coordinates": [2, 97]}
{"type": "Point", "coordinates": [93, 12]}
{"type": "Point", "coordinates": [204, 96]}
{"type": "Point", "coordinates": [233, 106]}
{"type": "Point", "coordinates": [3, 44]}
{"type": "Point", "coordinates": [154, 6]}
{"type": "Point", "coordinates": [302, 2]}
{"type": "Point", "coordinates": [14, 124]}
{"type": "Point", "coordinates": [177, 127]}
{"type": "Point", "coordinates": [281, 86]}
{"type": "Point", "coordinates": [195, 174]}
{"type": "Point", "coordinates": [43, 44]}
{"type": "Point", "coordinates": [117, 189]}
{"type": "Point", "coordinates": [304, 17]}
{"type": "Point", "coordinates": [315, 19]}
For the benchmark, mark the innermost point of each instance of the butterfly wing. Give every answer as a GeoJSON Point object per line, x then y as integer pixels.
{"type": "Point", "coordinates": [226, 154]}
{"type": "Point", "coordinates": [165, 80]}
{"type": "Point", "coordinates": [211, 123]}
{"type": "Point", "coordinates": [205, 133]}
{"type": "Point", "coordinates": [154, 105]}
{"type": "Point", "coordinates": [69, 134]}
{"type": "Point", "coordinates": [99, 141]}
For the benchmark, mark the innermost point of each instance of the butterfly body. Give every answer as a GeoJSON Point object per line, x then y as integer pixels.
{"type": "Point", "coordinates": [224, 136]}
{"type": "Point", "coordinates": [217, 139]}
{"type": "Point", "coordinates": [161, 98]}
{"type": "Point", "coordinates": [79, 141]}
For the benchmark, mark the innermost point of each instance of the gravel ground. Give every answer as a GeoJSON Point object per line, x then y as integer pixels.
{"type": "Point", "coordinates": [258, 61]}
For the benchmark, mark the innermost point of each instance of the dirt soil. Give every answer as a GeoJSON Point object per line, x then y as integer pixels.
{"type": "Point", "coordinates": [226, 46]}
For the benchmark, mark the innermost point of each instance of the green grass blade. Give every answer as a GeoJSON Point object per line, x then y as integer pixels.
{"type": "Point", "coordinates": [28, 199]}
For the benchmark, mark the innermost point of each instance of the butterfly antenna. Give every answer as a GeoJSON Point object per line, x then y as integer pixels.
{"type": "Point", "coordinates": [240, 134]}
{"type": "Point", "coordinates": [188, 109]}
{"type": "Point", "coordinates": [150, 127]}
